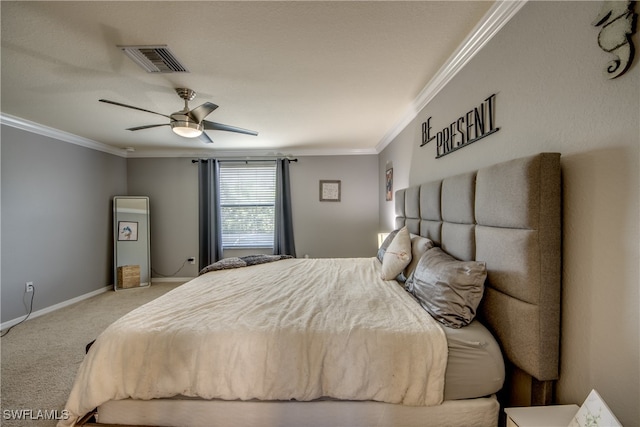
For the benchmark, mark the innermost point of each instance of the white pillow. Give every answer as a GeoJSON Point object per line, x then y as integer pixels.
{"type": "Point", "coordinates": [397, 256]}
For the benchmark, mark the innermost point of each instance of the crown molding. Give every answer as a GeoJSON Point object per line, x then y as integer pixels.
{"type": "Point", "coordinates": [19, 123]}
{"type": "Point", "coordinates": [241, 154]}
{"type": "Point", "coordinates": [498, 15]}
{"type": "Point", "coordinates": [29, 126]}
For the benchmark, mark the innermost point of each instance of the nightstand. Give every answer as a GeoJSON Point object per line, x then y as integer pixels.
{"type": "Point", "coordinates": [541, 416]}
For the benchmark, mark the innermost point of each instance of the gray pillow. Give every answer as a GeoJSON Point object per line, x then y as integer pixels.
{"type": "Point", "coordinates": [419, 246]}
{"type": "Point", "coordinates": [448, 289]}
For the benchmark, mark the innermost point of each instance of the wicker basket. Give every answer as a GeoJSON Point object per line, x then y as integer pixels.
{"type": "Point", "coordinates": [129, 276]}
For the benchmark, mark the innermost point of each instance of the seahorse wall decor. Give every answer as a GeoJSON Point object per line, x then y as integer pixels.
{"type": "Point", "coordinates": [618, 21]}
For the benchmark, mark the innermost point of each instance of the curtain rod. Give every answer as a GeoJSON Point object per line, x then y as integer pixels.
{"type": "Point", "coordinates": [247, 160]}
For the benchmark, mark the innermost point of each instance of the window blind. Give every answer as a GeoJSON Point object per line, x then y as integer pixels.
{"type": "Point", "coordinates": [247, 204]}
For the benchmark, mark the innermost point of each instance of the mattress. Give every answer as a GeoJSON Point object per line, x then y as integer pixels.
{"type": "Point", "coordinates": [475, 366]}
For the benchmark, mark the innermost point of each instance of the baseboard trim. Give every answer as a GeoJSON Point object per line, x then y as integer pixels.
{"type": "Point", "coordinates": [38, 313]}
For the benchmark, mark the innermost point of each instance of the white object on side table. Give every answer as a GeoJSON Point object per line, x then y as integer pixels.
{"type": "Point", "coordinates": [541, 416]}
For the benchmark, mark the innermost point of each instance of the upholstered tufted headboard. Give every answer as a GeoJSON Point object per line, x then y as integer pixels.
{"type": "Point", "coordinates": [508, 215]}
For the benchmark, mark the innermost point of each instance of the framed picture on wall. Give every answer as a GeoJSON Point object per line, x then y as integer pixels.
{"type": "Point", "coordinates": [127, 230]}
{"type": "Point", "coordinates": [389, 184]}
{"type": "Point", "coordinates": [330, 190]}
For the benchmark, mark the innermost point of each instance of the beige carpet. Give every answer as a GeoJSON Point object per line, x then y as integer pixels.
{"type": "Point", "coordinates": [40, 357]}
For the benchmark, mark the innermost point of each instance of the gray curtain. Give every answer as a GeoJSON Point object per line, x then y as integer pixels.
{"type": "Point", "coordinates": [283, 243]}
{"type": "Point", "coordinates": [210, 226]}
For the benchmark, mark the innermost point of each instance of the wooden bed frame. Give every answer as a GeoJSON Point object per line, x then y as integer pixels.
{"type": "Point", "coordinates": [508, 215]}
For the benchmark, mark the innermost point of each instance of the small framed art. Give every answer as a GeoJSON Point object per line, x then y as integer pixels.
{"type": "Point", "coordinates": [127, 231]}
{"type": "Point", "coordinates": [330, 190]}
{"type": "Point", "coordinates": [389, 184]}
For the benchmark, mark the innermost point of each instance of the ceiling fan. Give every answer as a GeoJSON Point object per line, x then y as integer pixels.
{"type": "Point", "coordinates": [188, 123]}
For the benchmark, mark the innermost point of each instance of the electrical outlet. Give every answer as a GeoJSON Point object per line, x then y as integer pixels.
{"type": "Point", "coordinates": [192, 260]}
{"type": "Point", "coordinates": [28, 287]}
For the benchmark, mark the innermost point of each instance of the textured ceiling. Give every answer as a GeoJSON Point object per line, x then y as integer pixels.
{"type": "Point", "coordinates": [310, 76]}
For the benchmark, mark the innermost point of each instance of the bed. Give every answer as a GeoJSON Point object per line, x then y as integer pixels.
{"type": "Point", "coordinates": [354, 342]}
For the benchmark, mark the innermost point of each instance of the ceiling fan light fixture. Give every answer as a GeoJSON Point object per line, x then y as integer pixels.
{"type": "Point", "coordinates": [186, 129]}
{"type": "Point", "coordinates": [187, 123]}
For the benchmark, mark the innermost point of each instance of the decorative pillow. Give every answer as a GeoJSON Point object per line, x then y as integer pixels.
{"type": "Point", "coordinates": [397, 255]}
{"type": "Point", "coordinates": [385, 244]}
{"type": "Point", "coordinates": [448, 289]}
{"type": "Point", "coordinates": [419, 245]}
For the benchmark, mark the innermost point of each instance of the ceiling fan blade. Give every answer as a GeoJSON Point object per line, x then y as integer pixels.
{"type": "Point", "coordinates": [130, 106]}
{"type": "Point", "coordinates": [147, 126]}
{"type": "Point", "coordinates": [200, 112]}
{"type": "Point", "coordinates": [205, 138]}
{"type": "Point", "coordinates": [220, 126]}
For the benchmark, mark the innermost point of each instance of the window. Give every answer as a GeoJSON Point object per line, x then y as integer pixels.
{"type": "Point", "coordinates": [247, 204]}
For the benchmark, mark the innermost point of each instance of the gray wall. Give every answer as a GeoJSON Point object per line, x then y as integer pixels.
{"type": "Point", "coordinates": [56, 219]}
{"type": "Point", "coordinates": [322, 229]}
{"type": "Point", "coordinates": [546, 68]}
{"type": "Point", "coordinates": [331, 229]}
{"type": "Point", "coordinates": [172, 187]}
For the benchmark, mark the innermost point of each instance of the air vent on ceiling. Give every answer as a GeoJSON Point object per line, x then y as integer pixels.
{"type": "Point", "coordinates": [155, 59]}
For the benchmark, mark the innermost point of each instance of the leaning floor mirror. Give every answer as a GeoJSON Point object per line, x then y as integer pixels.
{"type": "Point", "coordinates": [131, 246]}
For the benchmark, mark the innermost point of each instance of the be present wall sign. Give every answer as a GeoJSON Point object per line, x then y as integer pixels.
{"type": "Point", "coordinates": [465, 130]}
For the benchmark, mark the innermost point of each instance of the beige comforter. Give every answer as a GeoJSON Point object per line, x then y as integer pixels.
{"type": "Point", "coordinates": [293, 329]}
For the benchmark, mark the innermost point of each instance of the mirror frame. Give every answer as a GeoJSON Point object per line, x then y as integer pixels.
{"type": "Point", "coordinates": [115, 242]}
